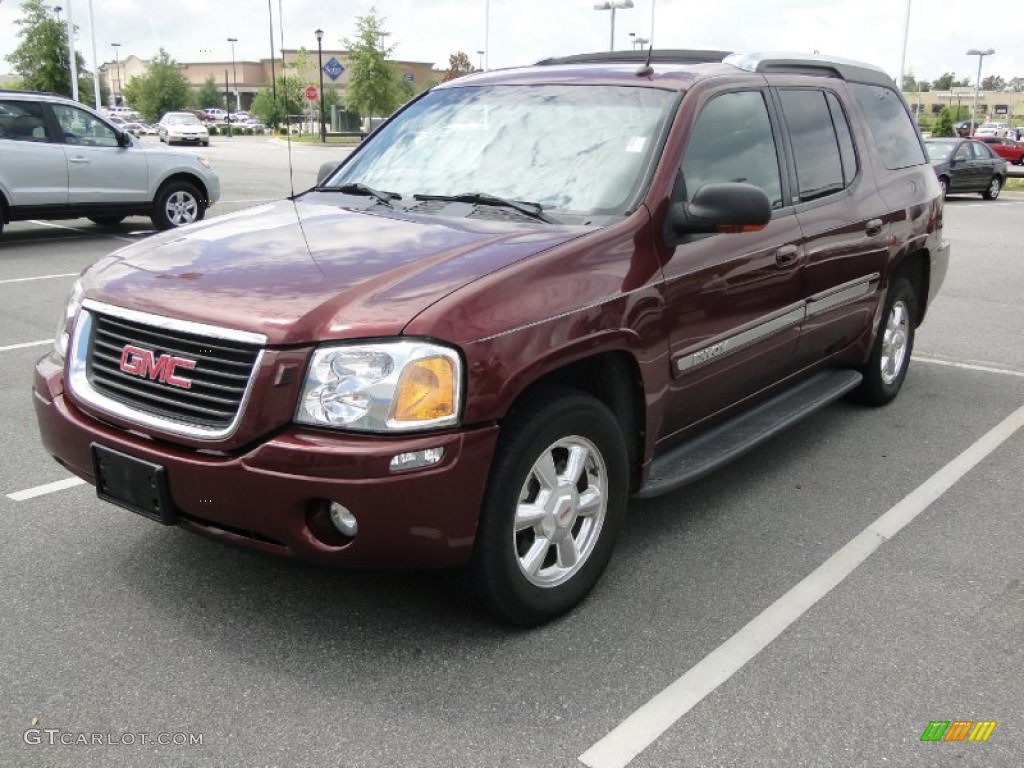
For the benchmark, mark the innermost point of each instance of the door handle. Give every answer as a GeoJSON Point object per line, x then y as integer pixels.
{"type": "Point", "coordinates": [786, 255]}
{"type": "Point", "coordinates": [874, 227]}
{"type": "Point", "coordinates": [78, 160]}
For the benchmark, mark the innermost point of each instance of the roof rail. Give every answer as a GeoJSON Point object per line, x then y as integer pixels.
{"type": "Point", "coordinates": [810, 64]}
{"type": "Point", "coordinates": [30, 93]}
{"type": "Point", "coordinates": [640, 56]}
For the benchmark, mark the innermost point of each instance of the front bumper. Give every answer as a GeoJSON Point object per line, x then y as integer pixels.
{"type": "Point", "coordinates": [271, 496]}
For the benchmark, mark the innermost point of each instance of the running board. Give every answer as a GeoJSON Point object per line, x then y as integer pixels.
{"type": "Point", "coordinates": [707, 452]}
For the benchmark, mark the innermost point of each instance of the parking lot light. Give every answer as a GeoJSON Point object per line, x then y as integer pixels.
{"type": "Point", "coordinates": [613, 5]}
{"type": "Point", "coordinates": [320, 60]}
{"type": "Point", "coordinates": [977, 83]}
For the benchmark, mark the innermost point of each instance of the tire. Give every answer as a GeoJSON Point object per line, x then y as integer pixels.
{"type": "Point", "coordinates": [944, 185]}
{"type": "Point", "coordinates": [206, 143]}
{"type": "Point", "coordinates": [106, 221]}
{"type": "Point", "coordinates": [995, 186]}
{"type": "Point", "coordinates": [176, 204]}
{"type": "Point", "coordinates": [567, 447]}
{"type": "Point", "coordinates": [887, 367]}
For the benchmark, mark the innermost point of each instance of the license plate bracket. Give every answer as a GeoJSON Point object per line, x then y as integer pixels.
{"type": "Point", "coordinates": [137, 485]}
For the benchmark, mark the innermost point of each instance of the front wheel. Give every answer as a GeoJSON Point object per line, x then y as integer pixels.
{"type": "Point", "coordinates": [944, 186]}
{"type": "Point", "coordinates": [555, 499]}
{"type": "Point", "coordinates": [890, 357]}
{"type": "Point", "coordinates": [994, 187]}
{"type": "Point", "coordinates": [177, 203]}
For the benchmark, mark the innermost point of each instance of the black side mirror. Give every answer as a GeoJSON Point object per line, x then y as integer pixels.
{"type": "Point", "coordinates": [721, 207]}
{"type": "Point", "coordinates": [124, 139]}
{"type": "Point", "coordinates": [326, 169]}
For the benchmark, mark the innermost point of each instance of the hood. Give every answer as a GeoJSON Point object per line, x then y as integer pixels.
{"type": "Point", "coordinates": [306, 271]}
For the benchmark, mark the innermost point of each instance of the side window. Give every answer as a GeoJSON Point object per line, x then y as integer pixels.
{"type": "Point", "coordinates": [22, 121]}
{"type": "Point", "coordinates": [842, 126]}
{"type": "Point", "coordinates": [963, 152]}
{"type": "Point", "coordinates": [732, 140]}
{"type": "Point", "coordinates": [891, 126]}
{"type": "Point", "coordinates": [982, 151]}
{"type": "Point", "coordinates": [819, 166]}
{"type": "Point", "coordinates": [81, 127]}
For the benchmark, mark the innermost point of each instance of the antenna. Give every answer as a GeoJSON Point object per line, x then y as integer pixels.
{"type": "Point", "coordinates": [647, 69]}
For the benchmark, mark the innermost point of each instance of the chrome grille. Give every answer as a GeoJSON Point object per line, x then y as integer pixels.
{"type": "Point", "coordinates": [218, 382]}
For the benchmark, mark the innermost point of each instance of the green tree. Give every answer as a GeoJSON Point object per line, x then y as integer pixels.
{"type": "Point", "coordinates": [944, 125]}
{"type": "Point", "coordinates": [993, 83]}
{"type": "Point", "coordinates": [948, 80]}
{"type": "Point", "coordinates": [41, 59]}
{"type": "Point", "coordinates": [373, 86]}
{"type": "Point", "coordinates": [458, 65]}
{"type": "Point", "coordinates": [163, 88]}
{"type": "Point", "coordinates": [209, 95]}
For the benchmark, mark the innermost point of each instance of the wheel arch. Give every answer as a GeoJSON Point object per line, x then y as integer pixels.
{"type": "Point", "coordinates": [613, 378]}
{"type": "Point", "coordinates": [916, 268]}
{"type": "Point", "coordinates": [189, 178]}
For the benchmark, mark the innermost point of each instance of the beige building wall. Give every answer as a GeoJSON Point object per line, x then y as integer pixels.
{"type": "Point", "coordinates": [1001, 106]}
{"type": "Point", "coordinates": [254, 76]}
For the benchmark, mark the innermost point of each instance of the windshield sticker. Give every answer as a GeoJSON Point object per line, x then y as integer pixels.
{"type": "Point", "coordinates": [636, 144]}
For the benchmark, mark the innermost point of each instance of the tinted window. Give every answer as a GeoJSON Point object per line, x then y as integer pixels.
{"type": "Point", "coordinates": [890, 125]}
{"type": "Point", "coordinates": [842, 126]}
{"type": "Point", "coordinates": [732, 140]}
{"type": "Point", "coordinates": [819, 168]}
{"type": "Point", "coordinates": [81, 127]}
{"type": "Point", "coordinates": [22, 121]}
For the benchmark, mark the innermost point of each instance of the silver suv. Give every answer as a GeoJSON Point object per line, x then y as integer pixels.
{"type": "Point", "coordinates": [62, 160]}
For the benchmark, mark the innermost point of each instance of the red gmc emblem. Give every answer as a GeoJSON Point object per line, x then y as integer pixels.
{"type": "Point", "coordinates": [140, 362]}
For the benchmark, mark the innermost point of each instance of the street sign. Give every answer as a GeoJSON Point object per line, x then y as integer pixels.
{"type": "Point", "coordinates": [333, 68]}
{"type": "Point", "coordinates": [311, 93]}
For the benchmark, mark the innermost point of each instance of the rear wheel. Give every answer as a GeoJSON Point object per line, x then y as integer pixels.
{"type": "Point", "coordinates": [555, 499]}
{"type": "Point", "coordinates": [890, 357]}
{"type": "Point", "coordinates": [177, 203]}
{"type": "Point", "coordinates": [995, 186]}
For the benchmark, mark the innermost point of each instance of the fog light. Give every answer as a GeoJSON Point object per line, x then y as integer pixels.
{"type": "Point", "coordinates": [343, 519]}
{"type": "Point", "coordinates": [416, 459]}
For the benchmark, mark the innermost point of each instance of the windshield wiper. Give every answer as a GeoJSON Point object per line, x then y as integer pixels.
{"type": "Point", "coordinates": [355, 188]}
{"type": "Point", "coordinates": [533, 210]}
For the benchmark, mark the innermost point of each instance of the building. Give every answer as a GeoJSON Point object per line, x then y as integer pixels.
{"type": "Point", "coordinates": [1002, 106]}
{"type": "Point", "coordinates": [240, 81]}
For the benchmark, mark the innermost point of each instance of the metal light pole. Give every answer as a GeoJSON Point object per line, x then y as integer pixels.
{"type": "Point", "coordinates": [273, 76]}
{"type": "Point", "coordinates": [481, 55]}
{"type": "Point", "coordinates": [95, 60]}
{"type": "Point", "coordinates": [117, 70]}
{"type": "Point", "coordinates": [977, 83]}
{"type": "Point", "coordinates": [71, 55]}
{"type": "Point", "coordinates": [487, 29]}
{"type": "Point", "coordinates": [234, 75]}
{"type": "Point", "coordinates": [320, 59]}
{"type": "Point", "coordinates": [613, 5]}
{"type": "Point", "coordinates": [903, 54]}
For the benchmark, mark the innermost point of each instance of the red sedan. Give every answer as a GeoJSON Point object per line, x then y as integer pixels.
{"type": "Point", "coordinates": [1012, 151]}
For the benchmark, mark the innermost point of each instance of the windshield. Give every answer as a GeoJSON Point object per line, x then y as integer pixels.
{"type": "Point", "coordinates": [578, 149]}
{"type": "Point", "coordinates": [939, 150]}
{"type": "Point", "coordinates": [183, 120]}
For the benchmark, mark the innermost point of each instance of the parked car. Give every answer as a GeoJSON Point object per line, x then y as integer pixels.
{"type": "Point", "coordinates": [62, 160]}
{"type": "Point", "coordinates": [963, 130]}
{"type": "Point", "coordinates": [966, 165]}
{"type": "Point", "coordinates": [134, 128]}
{"type": "Point", "coordinates": [254, 125]}
{"type": "Point", "coordinates": [474, 339]}
{"type": "Point", "coordinates": [216, 113]}
{"type": "Point", "coordinates": [183, 128]}
{"type": "Point", "coordinates": [1008, 149]}
{"type": "Point", "coordinates": [992, 129]}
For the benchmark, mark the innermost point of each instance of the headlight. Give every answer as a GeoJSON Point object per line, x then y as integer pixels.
{"type": "Point", "coordinates": [386, 387]}
{"type": "Point", "coordinates": [67, 320]}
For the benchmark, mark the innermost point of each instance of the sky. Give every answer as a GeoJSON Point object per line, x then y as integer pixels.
{"type": "Point", "coordinates": [524, 31]}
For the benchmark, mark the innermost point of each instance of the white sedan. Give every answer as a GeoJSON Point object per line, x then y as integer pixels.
{"type": "Point", "coordinates": [184, 128]}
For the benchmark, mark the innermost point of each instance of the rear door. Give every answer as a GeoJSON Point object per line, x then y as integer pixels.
{"type": "Point", "coordinates": [844, 220]}
{"type": "Point", "coordinates": [100, 171]}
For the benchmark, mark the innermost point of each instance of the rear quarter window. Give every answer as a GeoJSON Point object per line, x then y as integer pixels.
{"type": "Point", "coordinates": [890, 124]}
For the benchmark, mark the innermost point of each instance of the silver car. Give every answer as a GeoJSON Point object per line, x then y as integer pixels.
{"type": "Point", "coordinates": [62, 160]}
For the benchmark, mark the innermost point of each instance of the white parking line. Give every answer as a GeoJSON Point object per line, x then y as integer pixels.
{"type": "Point", "coordinates": [42, 490]}
{"type": "Point", "coordinates": [25, 345]}
{"type": "Point", "coordinates": [39, 277]}
{"type": "Point", "coordinates": [76, 229]}
{"type": "Point", "coordinates": [638, 731]}
{"type": "Point", "coordinates": [968, 366]}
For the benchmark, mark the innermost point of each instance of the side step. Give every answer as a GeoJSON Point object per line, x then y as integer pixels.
{"type": "Point", "coordinates": [707, 452]}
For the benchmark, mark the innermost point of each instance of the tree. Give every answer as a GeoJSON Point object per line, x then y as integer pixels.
{"type": "Point", "coordinates": [948, 80]}
{"type": "Point", "coordinates": [944, 125]}
{"type": "Point", "coordinates": [993, 83]}
{"type": "Point", "coordinates": [373, 86]}
{"type": "Point", "coordinates": [1016, 84]}
{"type": "Point", "coordinates": [41, 59]}
{"type": "Point", "coordinates": [163, 88]}
{"type": "Point", "coordinates": [209, 95]}
{"type": "Point", "coordinates": [912, 85]}
{"type": "Point", "coordinates": [458, 65]}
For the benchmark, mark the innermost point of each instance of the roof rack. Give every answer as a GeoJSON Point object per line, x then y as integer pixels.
{"type": "Point", "coordinates": [639, 57]}
{"type": "Point", "coordinates": [809, 64]}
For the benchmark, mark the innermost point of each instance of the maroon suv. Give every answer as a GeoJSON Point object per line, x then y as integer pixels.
{"type": "Point", "coordinates": [531, 294]}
